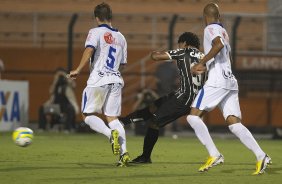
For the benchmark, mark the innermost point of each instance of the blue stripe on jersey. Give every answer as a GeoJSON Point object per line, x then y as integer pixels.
{"type": "Point", "coordinates": [107, 26]}
{"type": "Point", "coordinates": [217, 23]}
{"type": "Point", "coordinates": [91, 46]}
{"type": "Point", "coordinates": [84, 101]}
{"type": "Point", "coordinates": [200, 98]}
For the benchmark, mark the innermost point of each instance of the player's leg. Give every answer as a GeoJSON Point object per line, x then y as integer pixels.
{"type": "Point", "coordinates": [206, 100]}
{"type": "Point", "coordinates": [150, 140]}
{"type": "Point", "coordinates": [169, 109]}
{"type": "Point", "coordinates": [144, 114]}
{"type": "Point", "coordinates": [152, 133]}
{"type": "Point", "coordinates": [203, 135]}
{"type": "Point", "coordinates": [112, 109]}
{"type": "Point", "coordinates": [115, 125]}
{"type": "Point", "coordinates": [92, 102]}
{"type": "Point", "coordinates": [42, 118]}
{"type": "Point", "coordinates": [98, 125]}
{"type": "Point", "coordinates": [231, 110]}
{"type": "Point", "coordinates": [136, 116]}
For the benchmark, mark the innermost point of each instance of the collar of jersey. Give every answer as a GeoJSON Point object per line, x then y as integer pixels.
{"type": "Point", "coordinates": [107, 26]}
{"type": "Point", "coordinates": [216, 23]}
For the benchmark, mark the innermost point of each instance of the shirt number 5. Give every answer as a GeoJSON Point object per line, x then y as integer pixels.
{"type": "Point", "coordinates": [111, 59]}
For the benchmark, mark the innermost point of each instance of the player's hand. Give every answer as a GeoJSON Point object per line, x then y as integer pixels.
{"type": "Point", "coordinates": [198, 69]}
{"type": "Point", "coordinates": [73, 74]}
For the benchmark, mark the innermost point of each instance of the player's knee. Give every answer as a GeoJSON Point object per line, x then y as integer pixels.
{"type": "Point", "coordinates": [110, 118]}
{"type": "Point", "coordinates": [231, 119]}
{"type": "Point", "coordinates": [197, 112]}
{"type": "Point", "coordinates": [154, 126]}
{"type": "Point", "coordinates": [83, 116]}
{"type": "Point", "coordinates": [154, 123]}
{"type": "Point", "coordinates": [191, 118]}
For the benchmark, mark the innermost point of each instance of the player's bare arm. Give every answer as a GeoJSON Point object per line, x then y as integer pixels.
{"type": "Point", "coordinates": [84, 60]}
{"type": "Point", "coordinates": [217, 46]}
{"type": "Point", "coordinates": [159, 55]}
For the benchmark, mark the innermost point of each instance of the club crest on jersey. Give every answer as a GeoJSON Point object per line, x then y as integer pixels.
{"type": "Point", "coordinates": [211, 30]}
{"type": "Point", "coordinates": [108, 37]}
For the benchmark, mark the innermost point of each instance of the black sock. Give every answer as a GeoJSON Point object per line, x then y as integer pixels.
{"type": "Point", "coordinates": [144, 113]}
{"type": "Point", "coordinates": [137, 116]}
{"type": "Point", "coordinates": [150, 140]}
{"type": "Point", "coordinates": [124, 120]}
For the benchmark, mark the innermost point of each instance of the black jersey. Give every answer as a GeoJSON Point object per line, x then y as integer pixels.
{"type": "Point", "coordinates": [189, 84]}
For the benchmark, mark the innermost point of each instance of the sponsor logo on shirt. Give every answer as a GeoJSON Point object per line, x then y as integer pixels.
{"type": "Point", "coordinates": [227, 74]}
{"type": "Point", "coordinates": [198, 55]}
{"type": "Point", "coordinates": [108, 37]}
{"type": "Point", "coordinates": [108, 73]}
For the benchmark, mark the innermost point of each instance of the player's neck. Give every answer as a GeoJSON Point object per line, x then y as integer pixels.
{"type": "Point", "coordinates": [104, 22]}
{"type": "Point", "coordinates": [218, 23]}
{"type": "Point", "coordinates": [213, 21]}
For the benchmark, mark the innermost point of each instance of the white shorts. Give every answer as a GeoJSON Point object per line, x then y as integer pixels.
{"type": "Point", "coordinates": [105, 99]}
{"type": "Point", "coordinates": [227, 101]}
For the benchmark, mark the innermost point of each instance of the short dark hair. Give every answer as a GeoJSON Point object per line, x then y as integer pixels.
{"type": "Point", "coordinates": [103, 11]}
{"type": "Point", "coordinates": [190, 39]}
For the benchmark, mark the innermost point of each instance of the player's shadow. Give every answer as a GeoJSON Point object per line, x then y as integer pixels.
{"type": "Point", "coordinates": [274, 170]}
{"type": "Point", "coordinates": [180, 163]}
{"type": "Point", "coordinates": [270, 170]}
{"type": "Point", "coordinates": [11, 169]}
{"type": "Point", "coordinates": [99, 165]}
{"type": "Point", "coordinates": [63, 166]}
{"type": "Point", "coordinates": [120, 178]}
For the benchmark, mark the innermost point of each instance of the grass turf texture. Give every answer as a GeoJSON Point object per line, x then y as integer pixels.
{"type": "Point", "coordinates": [87, 158]}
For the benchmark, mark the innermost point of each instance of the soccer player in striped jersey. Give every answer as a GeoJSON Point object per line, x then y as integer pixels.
{"type": "Point", "coordinates": [175, 104]}
{"type": "Point", "coordinates": [220, 90]}
{"type": "Point", "coordinates": [106, 50]}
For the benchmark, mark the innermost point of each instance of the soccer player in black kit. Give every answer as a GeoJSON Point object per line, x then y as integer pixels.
{"type": "Point", "coordinates": [175, 104]}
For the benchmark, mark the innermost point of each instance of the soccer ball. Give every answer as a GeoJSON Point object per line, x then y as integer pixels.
{"type": "Point", "coordinates": [23, 136]}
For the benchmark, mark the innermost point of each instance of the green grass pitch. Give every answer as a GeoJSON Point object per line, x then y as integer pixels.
{"type": "Point", "coordinates": [87, 158]}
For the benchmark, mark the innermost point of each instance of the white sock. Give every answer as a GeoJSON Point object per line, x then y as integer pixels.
{"type": "Point", "coordinates": [203, 134]}
{"type": "Point", "coordinates": [116, 125]}
{"type": "Point", "coordinates": [98, 125]}
{"type": "Point", "coordinates": [247, 139]}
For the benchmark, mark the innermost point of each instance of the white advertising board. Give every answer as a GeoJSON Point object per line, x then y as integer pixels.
{"type": "Point", "coordinates": [14, 104]}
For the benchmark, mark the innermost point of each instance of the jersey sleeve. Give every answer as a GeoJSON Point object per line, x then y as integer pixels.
{"type": "Point", "coordinates": [92, 39]}
{"type": "Point", "coordinates": [173, 54]}
{"type": "Point", "coordinates": [211, 32]}
{"type": "Point", "coordinates": [124, 58]}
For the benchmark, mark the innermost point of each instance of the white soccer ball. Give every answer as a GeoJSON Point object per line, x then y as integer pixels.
{"type": "Point", "coordinates": [23, 136]}
{"type": "Point", "coordinates": [175, 136]}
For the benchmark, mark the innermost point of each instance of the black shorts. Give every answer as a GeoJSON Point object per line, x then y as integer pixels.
{"type": "Point", "coordinates": [171, 107]}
